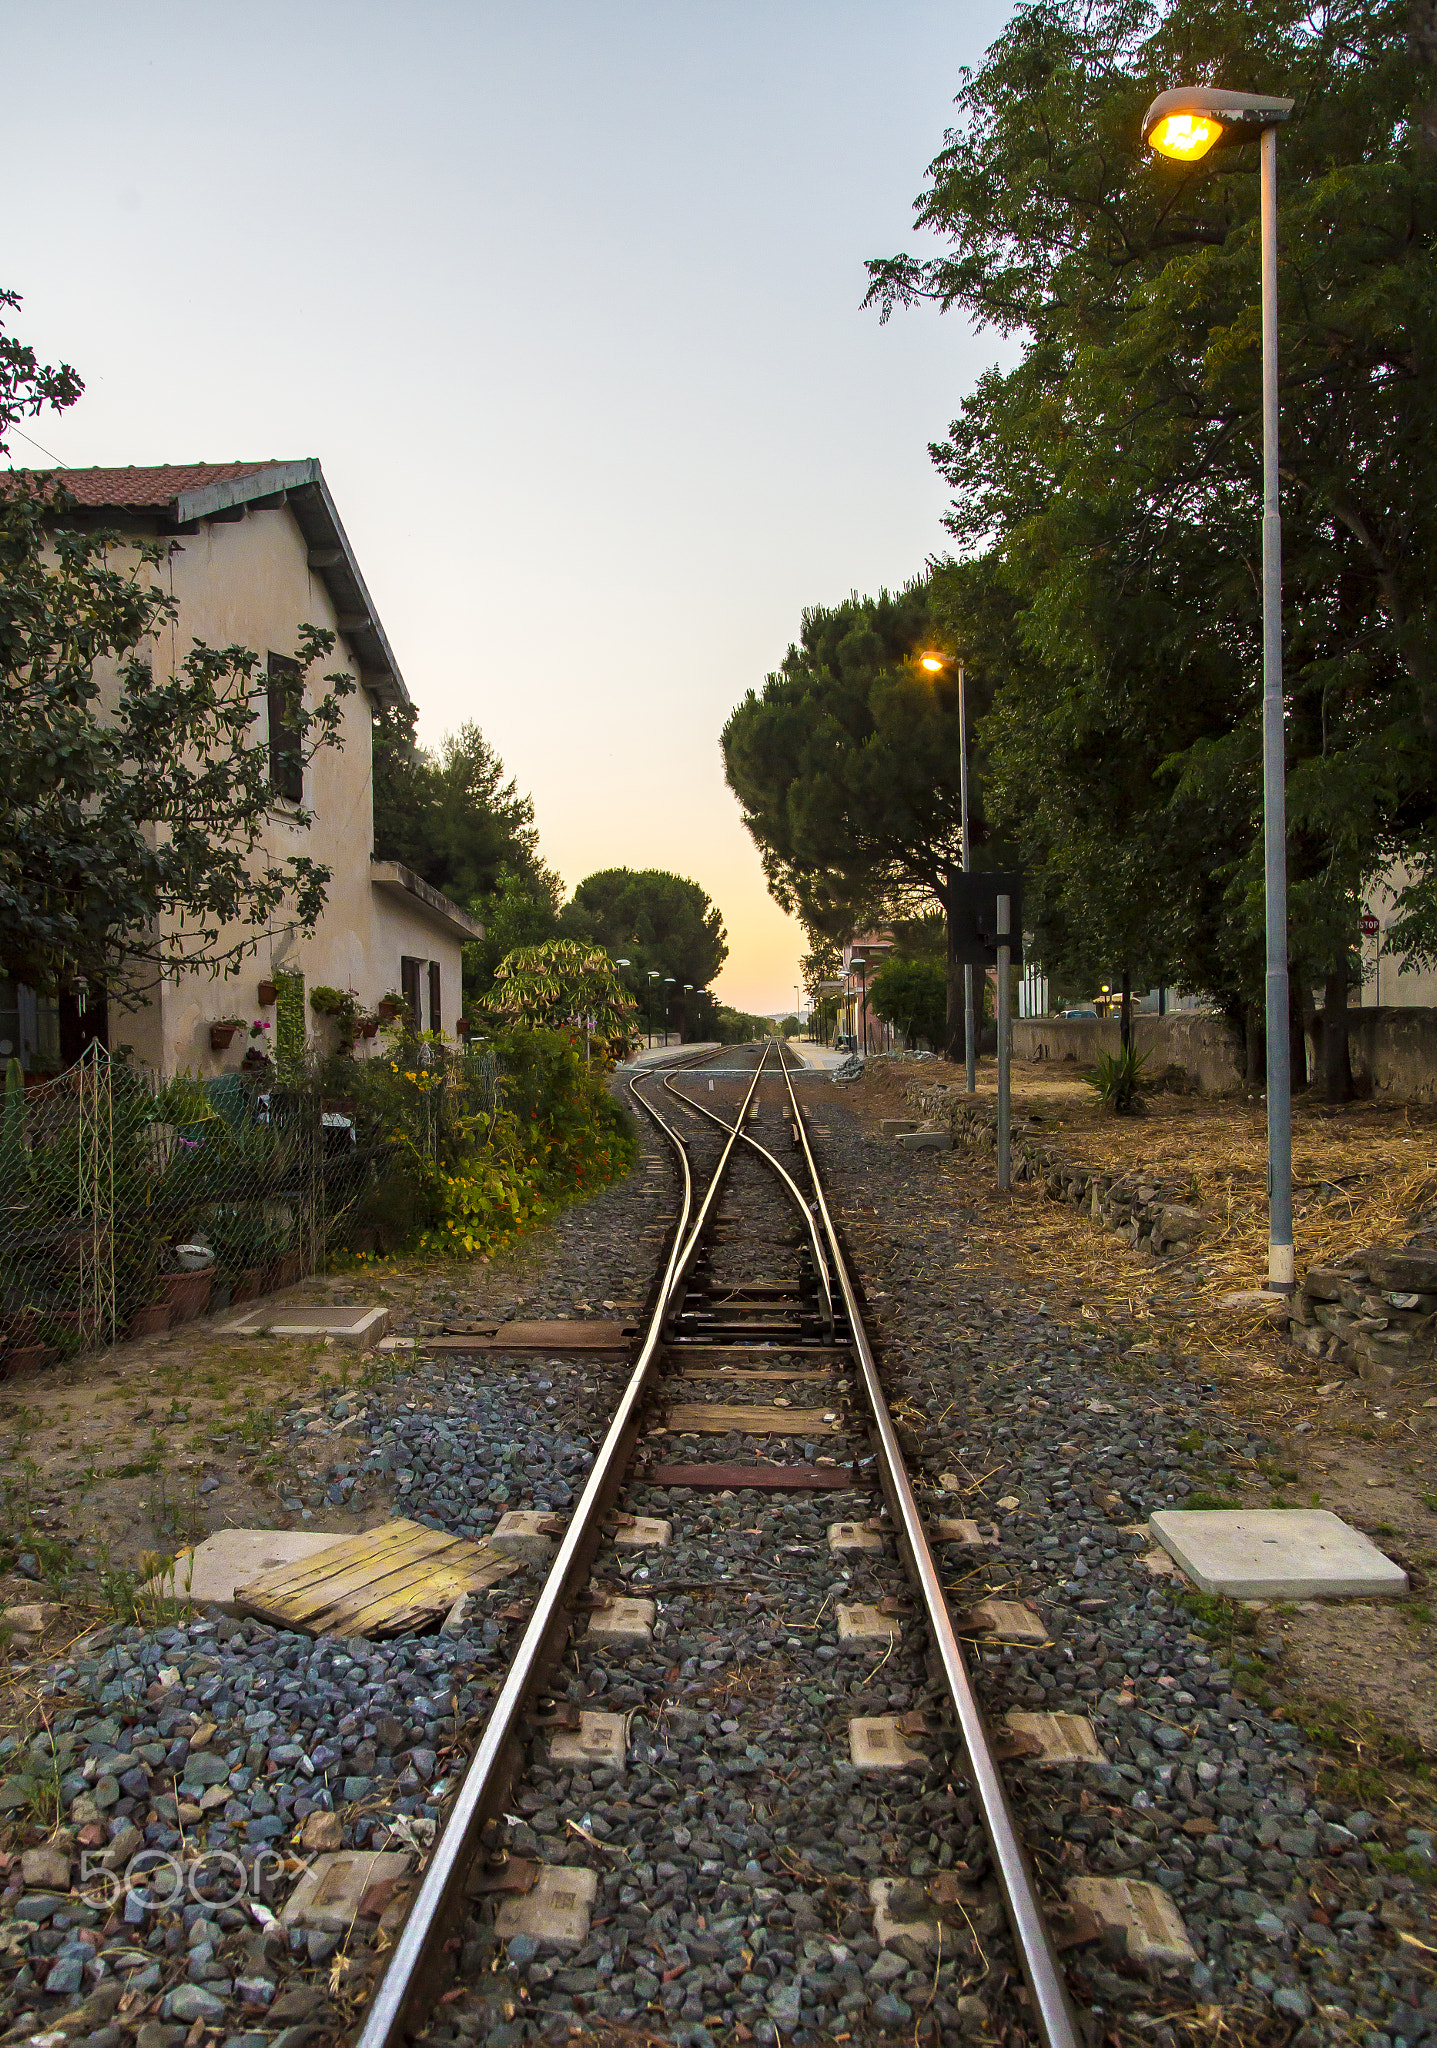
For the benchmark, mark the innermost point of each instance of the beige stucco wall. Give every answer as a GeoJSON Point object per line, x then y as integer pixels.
{"type": "Point", "coordinates": [248, 582]}
{"type": "Point", "coordinates": [1384, 984]}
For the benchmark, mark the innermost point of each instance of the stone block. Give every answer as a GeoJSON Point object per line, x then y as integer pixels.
{"type": "Point", "coordinates": [523, 1533]}
{"type": "Point", "coordinates": [860, 1627]}
{"type": "Point", "coordinates": [888, 1928]}
{"type": "Point", "coordinates": [850, 1536]}
{"type": "Point", "coordinates": [361, 1326]}
{"type": "Point", "coordinates": [1008, 1621]}
{"type": "Point", "coordinates": [212, 1574]}
{"type": "Point", "coordinates": [331, 1891]}
{"type": "Point", "coordinates": [1325, 1283]}
{"type": "Point", "coordinates": [956, 1529]}
{"type": "Point", "coordinates": [556, 1912]}
{"type": "Point", "coordinates": [1179, 1222]}
{"type": "Point", "coordinates": [1143, 1912]}
{"type": "Point", "coordinates": [897, 1126]}
{"type": "Point", "coordinates": [1405, 1271]}
{"type": "Point", "coordinates": [30, 1619]}
{"type": "Point", "coordinates": [643, 1532]}
{"type": "Point", "coordinates": [1275, 1553]}
{"type": "Point", "coordinates": [877, 1743]}
{"type": "Point", "coordinates": [1065, 1738]}
{"type": "Point", "coordinates": [46, 1870]}
{"type": "Point", "coordinates": [598, 1739]}
{"type": "Point", "coordinates": [925, 1141]}
{"type": "Point", "coordinates": [622, 1624]}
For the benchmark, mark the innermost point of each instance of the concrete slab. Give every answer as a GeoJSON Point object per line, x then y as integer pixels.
{"type": "Point", "coordinates": [1275, 1553]}
{"type": "Point", "coordinates": [332, 1890]}
{"type": "Point", "coordinates": [877, 1743]}
{"type": "Point", "coordinates": [1143, 1912]}
{"type": "Point", "coordinates": [1065, 1738]}
{"type": "Point", "coordinates": [1008, 1621]}
{"type": "Point", "coordinates": [847, 1536]}
{"type": "Point", "coordinates": [556, 1912]}
{"type": "Point", "coordinates": [598, 1739]}
{"type": "Point", "coordinates": [925, 1141]}
{"type": "Point", "coordinates": [523, 1533]}
{"type": "Point", "coordinates": [860, 1627]}
{"type": "Point", "coordinates": [888, 1929]}
{"type": "Point", "coordinates": [361, 1326]}
{"type": "Point", "coordinates": [623, 1624]}
{"type": "Point", "coordinates": [212, 1574]}
{"type": "Point", "coordinates": [643, 1532]}
{"type": "Point", "coordinates": [897, 1126]}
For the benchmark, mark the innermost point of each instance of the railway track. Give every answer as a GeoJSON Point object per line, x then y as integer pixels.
{"type": "Point", "coordinates": [754, 1352]}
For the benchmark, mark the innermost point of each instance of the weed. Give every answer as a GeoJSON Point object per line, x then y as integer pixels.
{"type": "Point", "coordinates": [1193, 1441]}
{"type": "Point", "coordinates": [1416, 1611]}
{"type": "Point", "coordinates": [1429, 1501]}
{"type": "Point", "coordinates": [1403, 1863]}
{"type": "Point", "coordinates": [1211, 1500]}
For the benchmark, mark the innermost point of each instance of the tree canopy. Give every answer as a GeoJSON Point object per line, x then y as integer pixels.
{"type": "Point", "coordinates": [657, 920]}
{"type": "Point", "coordinates": [454, 816]}
{"type": "Point", "coordinates": [1109, 483]}
{"type": "Point", "coordinates": [133, 808]}
{"type": "Point", "coordinates": [911, 995]}
{"type": "Point", "coordinates": [561, 983]}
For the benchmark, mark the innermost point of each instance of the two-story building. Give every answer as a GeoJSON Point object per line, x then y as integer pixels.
{"type": "Point", "coordinates": [259, 551]}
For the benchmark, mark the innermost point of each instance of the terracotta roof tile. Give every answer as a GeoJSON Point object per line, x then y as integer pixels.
{"type": "Point", "coordinates": [149, 488]}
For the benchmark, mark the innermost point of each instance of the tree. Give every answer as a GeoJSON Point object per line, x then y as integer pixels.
{"type": "Point", "coordinates": [453, 816]}
{"type": "Point", "coordinates": [913, 996]}
{"type": "Point", "coordinates": [561, 983]}
{"type": "Point", "coordinates": [522, 910]}
{"type": "Point", "coordinates": [134, 810]}
{"type": "Point", "coordinates": [847, 767]}
{"type": "Point", "coordinates": [1114, 472]}
{"type": "Point", "coordinates": [660, 922]}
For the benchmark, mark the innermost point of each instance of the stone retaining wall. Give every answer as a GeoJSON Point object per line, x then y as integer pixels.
{"type": "Point", "coordinates": [1375, 1311]}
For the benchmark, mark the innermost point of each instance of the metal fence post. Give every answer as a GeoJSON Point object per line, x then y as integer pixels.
{"type": "Point", "coordinates": [1005, 1034]}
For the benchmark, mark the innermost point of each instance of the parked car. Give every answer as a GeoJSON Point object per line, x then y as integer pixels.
{"type": "Point", "coordinates": [1081, 1010]}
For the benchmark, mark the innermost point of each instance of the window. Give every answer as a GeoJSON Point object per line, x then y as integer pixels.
{"type": "Point", "coordinates": [286, 755]}
{"type": "Point", "coordinates": [410, 975]}
{"type": "Point", "coordinates": [436, 1020]}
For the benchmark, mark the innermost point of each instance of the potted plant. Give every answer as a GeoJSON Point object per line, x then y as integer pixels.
{"type": "Point", "coordinates": [342, 1006]}
{"type": "Point", "coordinates": [268, 994]}
{"type": "Point", "coordinates": [368, 1026]}
{"type": "Point", "coordinates": [391, 1006]}
{"type": "Point", "coordinates": [222, 1030]}
{"type": "Point", "coordinates": [151, 1321]}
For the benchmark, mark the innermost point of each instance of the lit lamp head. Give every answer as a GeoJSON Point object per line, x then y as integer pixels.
{"type": "Point", "coordinates": [933, 663]}
{"type": "Point", "coordinates": [1192, 119]}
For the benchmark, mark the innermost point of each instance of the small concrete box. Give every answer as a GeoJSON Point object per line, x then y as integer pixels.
{"type": "Point", "coordinates": [212, 1574]}
{"type": "Point", "coordinates": [1275, 1553]}
{"type": "Point", "coordinates": [844, 1536]}
{"type": "Point", "coordinates": [598, 1739]}
{"type": "Point", "coordinates": [642, 1532]}
{"type": "Point", "coordinates": [877, 1743]}
{"type": "Point", "coordinates": [860, 1626]}
{"type": "Point", "coordinates": [520, 1532]}
{"type": "Point", "coordinates": [622, 1624]}
{"type": "Point", "coordinates": [361, 1326]}
{"type": "Point", "coordinates": [925, 1141]}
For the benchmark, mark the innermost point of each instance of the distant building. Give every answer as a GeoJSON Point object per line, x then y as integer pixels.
{"type": "Point", "coordinates": [855, 1021]}
{"type": "Point", "coordinates": [261, 550]}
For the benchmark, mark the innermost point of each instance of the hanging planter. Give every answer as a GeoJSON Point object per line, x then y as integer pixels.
{"type": "Point", "coordinates": [388, 1010]}
{"type": "Point", "coordinates": [222, 1032]}
{"type": "Point", "coordinates": [268, 994]}
{"type": "Point", "coordinates": [368, 1027]}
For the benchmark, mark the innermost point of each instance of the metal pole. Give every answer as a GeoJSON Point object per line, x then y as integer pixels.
{"type": "Point", "coordinates": [970, 1050]}
{"type": "Point", "coordinates": [1280, 1268]}
{"type": "Point", "coordinates": [1005, 1034]}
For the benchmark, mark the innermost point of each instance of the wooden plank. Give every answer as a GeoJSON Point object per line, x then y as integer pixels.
{"type": "Point", "coordinates": [717, 1418]}
{"type": "Point", "coordinates": [747, 1372]}
{"type": "Point", "coordinates": [759, 1478]}
{"type": "Point", "coordinates": [380, 1583]}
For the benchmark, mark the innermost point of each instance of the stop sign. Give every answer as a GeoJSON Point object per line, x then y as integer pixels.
{"type": "Point", "coordinates": [1369, 925]}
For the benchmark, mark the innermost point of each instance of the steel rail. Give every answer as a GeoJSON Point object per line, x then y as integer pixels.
{"type": "Point", "coordinates": [407, 1990]}
{"type": "Point", "coordinates": [820, 1263]}
{"type": "Point", "coordinates": [1035, 1946]}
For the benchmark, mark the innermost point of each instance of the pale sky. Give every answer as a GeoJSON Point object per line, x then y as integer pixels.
{"type": "Point", "coordinates": [565, 298]}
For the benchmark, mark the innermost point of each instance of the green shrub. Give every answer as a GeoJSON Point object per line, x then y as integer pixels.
{"type": "Point", "coordinates": [1118, 1080]}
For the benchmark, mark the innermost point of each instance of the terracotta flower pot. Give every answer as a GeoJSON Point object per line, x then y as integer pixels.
{"type": "Point", "coordinates": [268, 994]}
{"type": "Point", "coordinates": [368, 1026]}
{"type": "Point", "coordinates": [26, 1358]}
{"type": "Point", "coordinates": [246, 1285]}
{"type": "Point", "coordinates": [220, 1036]}
{"type": "Point", "coordinates": [289, 1270]}
{"type": "Point", "coordinates": [152, 1321]}
{"type": "Point", "coordinates": [388, 1011]}
{"type": "Point", "coordinates": [187, 1293]}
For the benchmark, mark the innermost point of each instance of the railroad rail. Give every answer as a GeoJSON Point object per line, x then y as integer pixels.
{"type": "Point", "coordinates": [688, 1311]}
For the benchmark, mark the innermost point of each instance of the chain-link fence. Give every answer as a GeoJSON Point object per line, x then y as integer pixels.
{"type": "Point", "coordinates": [128, 1204]}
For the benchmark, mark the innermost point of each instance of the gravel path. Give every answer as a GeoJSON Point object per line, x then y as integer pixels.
{"type": "Point", "coordinates": [734, 1851]}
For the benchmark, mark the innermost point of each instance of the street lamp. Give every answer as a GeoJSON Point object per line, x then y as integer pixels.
{"type": "Point", "coordinates": [935, 663]}
{"type": "Point", "coordinates": [668, 1007]}
{"type": "Point", "coordinates": [862, 967]}
{"type": "Point", "coordinates": [1184, 125]}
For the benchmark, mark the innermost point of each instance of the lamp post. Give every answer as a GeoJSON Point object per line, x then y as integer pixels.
{"type": "Point", "coordinates": [862, 967]}
{"type": "Point", "coordinates": [1184, 125]}
{"type": "Point", "coordinates": [669, 982]}
{"type": "Point", "coordinates": [935, 663]}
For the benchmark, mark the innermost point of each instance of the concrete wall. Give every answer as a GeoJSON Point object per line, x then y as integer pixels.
{"type": "Point", "coordinates": [1393, 1053]}
{"type": "Point", "coordinates": [247, 582]}
{"type": "Point", "coordinates": [1206, 1047]}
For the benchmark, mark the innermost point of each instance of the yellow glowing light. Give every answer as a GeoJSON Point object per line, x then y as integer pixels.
{"type": "Point", "coordinates": [1185, 136]}
{"type": "Point", "coordinates": [932, 662]}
